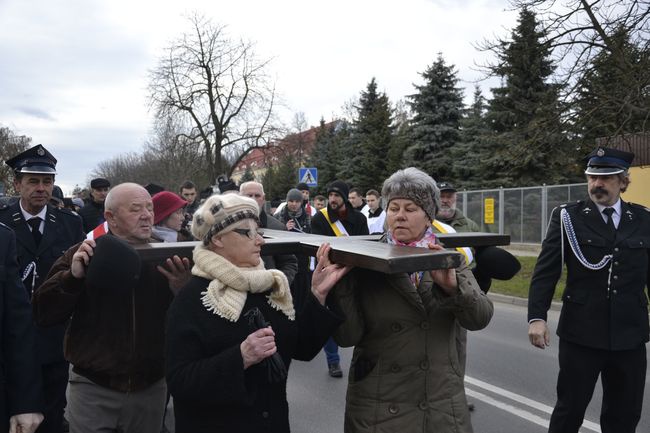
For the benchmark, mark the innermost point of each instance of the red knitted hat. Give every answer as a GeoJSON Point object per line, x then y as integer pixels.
{"type": "Point", "coordinates": [165, 203]}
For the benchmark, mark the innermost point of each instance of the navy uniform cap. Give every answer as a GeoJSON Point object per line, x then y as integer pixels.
{"type": "Point", "coordinates": [35, 160]}
{"type": "Point", "coordinates": [605, 161]}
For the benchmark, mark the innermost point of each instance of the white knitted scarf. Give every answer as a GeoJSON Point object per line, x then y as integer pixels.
{"type": "Point", "coordinates": [226, 294]}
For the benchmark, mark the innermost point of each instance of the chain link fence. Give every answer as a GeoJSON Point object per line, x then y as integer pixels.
{"type": "Point", "coordinates": [522, 213]}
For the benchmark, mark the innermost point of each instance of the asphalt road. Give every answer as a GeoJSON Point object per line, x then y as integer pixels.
{"type": "Point", "coordinates": [511, 383]}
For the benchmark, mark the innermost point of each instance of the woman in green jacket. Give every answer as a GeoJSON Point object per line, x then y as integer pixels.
{"type": "Point", "coordinates": [405, 373]}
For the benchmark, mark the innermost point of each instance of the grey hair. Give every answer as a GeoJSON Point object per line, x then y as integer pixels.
{"type": "Point", "coordinates": [249, 183]}
{"type": "Point", "coordinates": [416, 185]}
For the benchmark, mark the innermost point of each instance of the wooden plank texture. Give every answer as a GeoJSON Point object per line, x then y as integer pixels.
{"type": "Point", "coordinates": [362, 251]}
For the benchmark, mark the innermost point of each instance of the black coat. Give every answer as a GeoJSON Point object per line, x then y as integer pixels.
{"type": "Point", "coordinates": [62, 230]}
{"type": "Point", "coordinates": [355, 224]}
{"type": "Point", "coordinates": [92, 215]}
{"type": "Point", "coordinates": [593, 315]}
{"type": "Point", "coordinates": [205, 371]}
{"type": "Point", "coordinates": [286, 263]}
{"type": "Point", "coordinates": [20, 380]}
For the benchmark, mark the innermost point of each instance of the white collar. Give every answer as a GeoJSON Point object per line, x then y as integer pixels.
{"type": "Point", "coordinates": [616, 206]}
{"type": "Point", "coordinates": [28, 216]}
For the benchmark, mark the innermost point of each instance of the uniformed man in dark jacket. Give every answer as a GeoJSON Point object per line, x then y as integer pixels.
{"type": "Point", "coordinates": [604, 243]}
{"type": "Point", "coordinates": [43, 234]}
{"type": "Point", "coordinates": [20, 376]}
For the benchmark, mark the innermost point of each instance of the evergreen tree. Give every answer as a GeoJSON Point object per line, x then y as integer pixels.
{"type": "Point", "coordinates": [526, 145]}
{"type": "Point", "coordinates": [368, 146]}
{"type": "Point", "coordinates": [325, 154]}
{"type": "Point", "coordinates": [285, 177]}
{"type": "Point", "coordinates": [401, 139]}
{"type": "Point", "coordinates": [437, 108]}
{"type": "Point", "coordinates": [610, 100]}
{"type": "Point", "coordinates": [248, 175]}
{"type": "Point", "coordinates": [470, 152]}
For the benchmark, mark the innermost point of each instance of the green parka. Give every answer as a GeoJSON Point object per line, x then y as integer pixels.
{"type": "Point", "coordinates": [405, 374]}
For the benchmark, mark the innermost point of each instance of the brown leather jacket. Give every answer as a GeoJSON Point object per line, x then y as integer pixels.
{"type": "Point", "coordinates": [115, 338]}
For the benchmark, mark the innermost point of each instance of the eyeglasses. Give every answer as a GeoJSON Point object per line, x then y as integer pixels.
{"type": "Point", "coordinates": [250, 233]}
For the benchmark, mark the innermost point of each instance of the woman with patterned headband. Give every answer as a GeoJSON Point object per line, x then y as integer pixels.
{"type": "Point", "coordinates": [233, 330]}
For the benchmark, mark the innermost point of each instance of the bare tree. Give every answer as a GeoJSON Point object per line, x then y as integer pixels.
{"type": "Point", "coordinates": [10, 146]}
{"type": "Point", "coordinates": [580, 31]}
{"type": "Point", "coordinates": [219, 87]}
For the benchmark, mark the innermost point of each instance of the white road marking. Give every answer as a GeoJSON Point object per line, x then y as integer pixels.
{"type": "Point", "coordinates": [589, 425]}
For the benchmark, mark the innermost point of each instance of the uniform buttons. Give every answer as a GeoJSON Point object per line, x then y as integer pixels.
{"type": "Point", "coordinates": [265, 414]}
{"type": "Point", "coordinates": [615, 277]}
{"type": "Point", "coordinates": [393, 408]}
{"type": "Point", "coordinates": [395, 327]}
{"type": "Point", "coordinates": [423, 405]}
{"type": "Point", "coordinates": [588, 241]}
{"type": "Point", "coordinates": [424, 365]}
{"type": "Point", "coordinates": [615, 263]}
{"type": "Point", "coordinates": [424, 325]}
{"type": "Point", "coordinates": [616, 249]}
{"type": "Point", "coordinates": [614, 291]}
{"type": "Point", "coordinates": [395, 368]}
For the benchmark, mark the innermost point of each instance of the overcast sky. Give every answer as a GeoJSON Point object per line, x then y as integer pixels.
{"type": "Point", "coordinates": [73, 73]}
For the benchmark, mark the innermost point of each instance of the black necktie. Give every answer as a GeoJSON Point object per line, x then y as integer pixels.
{"type": "Point", "coordinates": [610, 221]}
{"type": "Point", "coordinates": [35, 224]}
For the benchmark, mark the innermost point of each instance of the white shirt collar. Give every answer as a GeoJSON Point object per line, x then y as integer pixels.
{"type": "Point", "coordinates": [28, 216]}
{"type": "Point", "coordinates": [616, 206]}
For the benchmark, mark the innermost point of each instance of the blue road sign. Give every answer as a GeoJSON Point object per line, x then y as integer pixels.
{"type": "Point", "coordinates": [308, 175]}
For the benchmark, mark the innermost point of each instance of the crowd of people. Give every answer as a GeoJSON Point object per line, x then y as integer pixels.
{"type": "Point", "coordinates": [111, 337]}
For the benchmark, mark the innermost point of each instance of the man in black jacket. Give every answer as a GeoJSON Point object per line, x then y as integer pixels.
{"type": "Point", "coordinates": [43, 234]}
{"type": "Point", "coordinates": [604, 243]}
{"type": "Point", "coordinates": [20, 382]}
{"type": "Point", "coordinates": [92, 213]}
{"type": "Point", "coordinates": [338, 219]}
{"type": "Point", "coordinates": [287, 263]}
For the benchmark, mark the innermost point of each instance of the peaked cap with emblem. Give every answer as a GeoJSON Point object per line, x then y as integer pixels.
{"type": "Point", "coordinates": [605, 161]}
{"type": "Point", "coordinates": [35, 160]}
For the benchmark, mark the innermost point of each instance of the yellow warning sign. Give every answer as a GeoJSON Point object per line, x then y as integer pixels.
{"type": "Point", "coordinates": [489, 211]}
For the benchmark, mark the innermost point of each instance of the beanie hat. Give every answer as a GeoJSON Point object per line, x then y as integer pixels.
{"type": "Point", "coordinates": [339, 187]}
{"type": "Point", "coordinates": [415, 185]}
{"type": "Point", "coordinates": [220, 211]}
{"type": "Point", "coordinates": [165, 203]}
{"type": "Point", "coordinates": [302, 187]}
{"type": "Point", "coordinates": [294, 194]}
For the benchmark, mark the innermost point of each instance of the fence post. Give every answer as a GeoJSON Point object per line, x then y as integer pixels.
{"type": "Point", "coordinates": [544, 215]}
{"type": "Point", "coordinates": [502, 209]}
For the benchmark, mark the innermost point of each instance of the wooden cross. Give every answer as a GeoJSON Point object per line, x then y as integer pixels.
{"type": "Point", "coordinates": [360, 251]}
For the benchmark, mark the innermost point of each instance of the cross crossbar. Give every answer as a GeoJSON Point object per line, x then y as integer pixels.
{"type": "Point", "coordinates": [361, 251]}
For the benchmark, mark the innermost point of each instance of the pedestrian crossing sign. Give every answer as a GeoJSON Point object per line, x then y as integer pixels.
{"type": "Point", "coordinates": [308, 175]}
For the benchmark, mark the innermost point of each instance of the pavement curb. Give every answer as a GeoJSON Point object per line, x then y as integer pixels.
{"type": "Point", "coordinates": [515, 300]}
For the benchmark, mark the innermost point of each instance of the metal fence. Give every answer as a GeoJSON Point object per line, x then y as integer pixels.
{"type": "Point", "coordinates": [522, 213]}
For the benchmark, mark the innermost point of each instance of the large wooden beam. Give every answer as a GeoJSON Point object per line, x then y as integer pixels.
{"type": "Point", "coordinates": [362, 251]}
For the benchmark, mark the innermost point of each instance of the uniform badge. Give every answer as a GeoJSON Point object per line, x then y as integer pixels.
{"type": "Point", "coordinates": [600, 152]}
{"type": "Point", "coordinates": [40, 151]}
{"type": "Point", "coordinates": [630, 215]}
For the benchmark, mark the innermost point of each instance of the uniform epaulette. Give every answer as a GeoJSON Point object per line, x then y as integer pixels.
{"type": "Point", "coordinates": [571, 204]}
{"type": "Point", "coordinates": [2, 226]}
{"type": "Point", "coordinates": [67, 212]}
{"type": "Point", "coordinates": [639, 206]}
